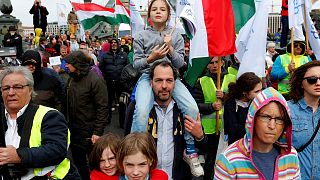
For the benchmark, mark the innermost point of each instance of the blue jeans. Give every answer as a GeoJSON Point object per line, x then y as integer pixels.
{"type": "Point", "coordinates": [144, 103]}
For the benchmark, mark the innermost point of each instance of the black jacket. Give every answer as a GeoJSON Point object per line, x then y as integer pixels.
{"type": "Point", "coordinates": [112, 64]}
{"type": "Point", "coordinates": [43, 14]}
{"type": "Point", "coordinates": [181, 170]}
{"type": "Point", "coordinates": [234, 120]}
{"type": "Point", "coordinates": [87, 107]}
{"type": "Point", "coordinates": [13, 41]}
{"type": "Point", "coordinates": [54, 133]}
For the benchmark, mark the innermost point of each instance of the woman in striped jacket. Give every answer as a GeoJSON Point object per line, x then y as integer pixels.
{"type": "Point", "coordinates": [265, 152]}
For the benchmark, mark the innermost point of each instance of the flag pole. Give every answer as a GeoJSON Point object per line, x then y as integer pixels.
{"type": "Point", "coordinates": [218, 88]}
{"type": "Point", "coordinates": [305, 25]}
{"type": "Point", "coordinates": [292, 45]}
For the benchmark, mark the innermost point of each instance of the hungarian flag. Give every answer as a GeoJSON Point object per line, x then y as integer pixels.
{"type": "Point", "coordinates": [90, 14]}
{"type": "Point", "coordinates": [122, 13]}
{"type": "Point", "coordinates": [215, 35]}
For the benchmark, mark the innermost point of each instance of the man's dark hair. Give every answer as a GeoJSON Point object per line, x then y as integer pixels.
{"type": "Point", "coordinates": [163, 64]}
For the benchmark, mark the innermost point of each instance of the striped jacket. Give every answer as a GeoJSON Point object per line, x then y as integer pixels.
{"type": "Point", "coordinates": [236, 161]}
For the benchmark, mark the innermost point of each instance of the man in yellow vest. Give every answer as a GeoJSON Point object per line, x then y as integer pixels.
{"type": "Point", "coordinates": [284, 65]}
{"type": "Point", "coordinates": [206, 95]}
{"type": "Point", "coordinates": [34, 139]}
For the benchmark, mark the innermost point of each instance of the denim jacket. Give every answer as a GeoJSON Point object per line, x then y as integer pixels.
{"type": "Point", "coordinates": [304, 123]}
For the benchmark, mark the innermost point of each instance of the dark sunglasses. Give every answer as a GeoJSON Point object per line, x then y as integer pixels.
{"type": "Point", "coordinates": [297, 45]}
{"type": "Point", "coordinates": [312, 79]}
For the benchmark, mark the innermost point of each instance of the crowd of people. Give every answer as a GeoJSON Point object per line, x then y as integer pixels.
{"type": "Point", "coordinates": [54, 115]}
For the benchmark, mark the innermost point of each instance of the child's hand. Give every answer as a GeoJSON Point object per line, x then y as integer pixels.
{"type": "Point", "coordinates": [158, 53]}
{"type": "Point", "coordinates": [168, 40]}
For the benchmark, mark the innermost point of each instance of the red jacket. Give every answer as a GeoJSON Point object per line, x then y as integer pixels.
{"type": "Point", "coordinates": [155, 174]}
{"type": "Point", "coordinates": [98, 175]}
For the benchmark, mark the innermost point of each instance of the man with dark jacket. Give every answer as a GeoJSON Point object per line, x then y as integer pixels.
{"type": "Point", "coordinates": [13, 39]}
{"type": "Point", "coordinates": [206, 95]}
{"type": "Point", "coordinates": [167, 124]}
{"type": "Point", "coordinates": [48, 87]}
{"type": "Point", "coordinates": [33, 139]}
{"type": "Point", "coordinates": [39, 16]}
{"type": "Point", "coordinates": [111, 65]}
{"type": "Point", "coordinates": [87, 108]}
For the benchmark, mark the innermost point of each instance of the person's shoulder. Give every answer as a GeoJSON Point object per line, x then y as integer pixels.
{"type": "Point", "coordinates": [234, 151]}
{"type": "Point", "coordinates": [158, 174]}
{"type": "Point", "coordinates": [98, 175]}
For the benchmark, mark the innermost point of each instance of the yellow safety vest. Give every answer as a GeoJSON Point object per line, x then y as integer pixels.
{"type": "Point", "coordinates": [283, 85]}
{"type": "Point", "coordinates": [59, 171]}
{"type": "Point", "coordinates": [228, 78]}
{"type": "Point", "coordinates": [209, 92]}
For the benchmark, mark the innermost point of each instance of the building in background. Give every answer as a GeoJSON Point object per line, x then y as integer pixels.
{"type": "Point", "coordinates": [274, 22]}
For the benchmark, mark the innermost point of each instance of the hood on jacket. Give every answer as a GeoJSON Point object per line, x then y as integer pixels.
{"type": "Point", "coordinates": [261, 100]}
{"type": "Point", "coordinates": [38, 32]}
{"type": "Point", "coordinates": [304, 49]}
{"type": "Point", "coordinates": [79, 60]}
{"type": "Point", "coordinates": [32, 57]}
{"type": "Point", "coordinates": [118, 49]}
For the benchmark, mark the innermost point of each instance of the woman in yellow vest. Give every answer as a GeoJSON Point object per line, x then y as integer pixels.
{"type": "Point", "coordinates": [237, 104]}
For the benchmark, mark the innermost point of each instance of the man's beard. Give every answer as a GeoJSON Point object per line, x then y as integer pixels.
{"type": "Point", "coordinates": [164, 98]}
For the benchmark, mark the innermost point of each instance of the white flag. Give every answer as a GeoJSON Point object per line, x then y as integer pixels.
{"type": "Point", "coordinates": [295, 12]}
{"type": "Point", "coordinates": [313, 37]}
{"type": "Point", "coordinates": [186, 12]}
{"type": "Point", "coordinates": [137, 23]}
{"type": "Point", "coordinates": [298, 33]}
{"type": "Point", "coordinates": [173, 20]}
{"type": "Point", "coordinates": [251, 42]}
{"type": "Point", "coordinates": [316, 4]}
{"type": "Point", "coordinates": [62, 12]}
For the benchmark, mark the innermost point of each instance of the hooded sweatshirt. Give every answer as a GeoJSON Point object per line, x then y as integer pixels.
{"type": "Point", "coordinates": [36, 39]}
{"type": "Point", "coordinates": [236, 161]}
{"type": "Point", "coordinates": [48, 87]}
{"type": "Point", "coordinates": [145, 42]}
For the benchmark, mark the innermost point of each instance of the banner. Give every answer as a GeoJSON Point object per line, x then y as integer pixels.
{"type": "Point", "coordinates": [62, 12]}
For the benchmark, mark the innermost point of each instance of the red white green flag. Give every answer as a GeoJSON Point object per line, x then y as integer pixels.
{"type": "Point", "coordinates": [122, 13]}
{"type": "Point", "coordinates": [90, 14]}
{"type": "Point", "coordinates": [215, 35]}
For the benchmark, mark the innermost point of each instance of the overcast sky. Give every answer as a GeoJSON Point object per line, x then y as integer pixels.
{"type": "Point", "coordinates": [21, 8]}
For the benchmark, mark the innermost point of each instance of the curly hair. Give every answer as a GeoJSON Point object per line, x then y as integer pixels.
{"type": "Point", "coordinates": [244, 84]}
{"type": "Point", "coordinates": [295, 82]}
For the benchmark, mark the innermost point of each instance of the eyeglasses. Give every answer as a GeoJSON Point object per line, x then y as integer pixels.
{"type": "Point", "coordinates": [312, 79]}
{"type": "Point", "coordinates": [297, 45]}
{"type": "Point", "coordinates": [267, 119]}
{"type": "Point", "coordinates": [16, 88]}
